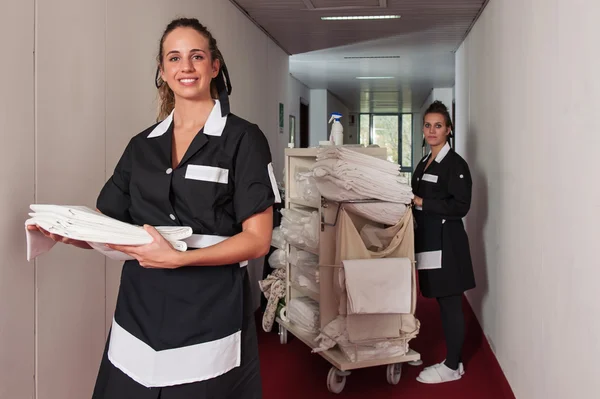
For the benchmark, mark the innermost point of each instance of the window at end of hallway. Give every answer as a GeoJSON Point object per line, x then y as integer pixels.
{"type": "Point", "coordinates": [392, 131]}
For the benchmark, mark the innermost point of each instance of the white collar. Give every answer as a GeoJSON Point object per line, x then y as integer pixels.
{"type": "Point", "coordinates": [441, 155]}
{"type": "Point", "coordinates": [213, 127]}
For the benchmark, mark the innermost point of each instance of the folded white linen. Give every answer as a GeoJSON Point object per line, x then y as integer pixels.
{"type": "Point", "coordinates": [378, 286]}
{"type": "Point", "coordinates": [330, 190]}
{"type": "Point", "coordinates": [358, 158]}
{"type": "Point", "coordinates": [103, 233]}
{"type": "Point", "coordinates": [303, 258]}
{"type": "Point", "coordinates": [304, 313]}
{"type": "Point", "coordinates": [367, 181]}
{"type": "Point", "coordinates": [388, 213]}
{"type": "Point", "coordinates": [344, 191]}
{"type": "Point", "coordinates": [389, 193]}
{"type": "Point", "coordinates": [311, 272]}
{"type": "Point", "coordinates": [348, 171]}
{"type": "Point", "coordinates": [84, 224]}
{"type": "Point", "coordinates": [84, 220]}
{"type": "Point", "coordinates": [305, 281]}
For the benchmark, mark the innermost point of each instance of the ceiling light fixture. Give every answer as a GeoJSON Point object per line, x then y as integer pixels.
{"type": "Point", "coordinates": [360, 17]}
{"type": "Point", "coordinates": [371, 57]}
{"type": "Point", "coordinates": [374, 77]}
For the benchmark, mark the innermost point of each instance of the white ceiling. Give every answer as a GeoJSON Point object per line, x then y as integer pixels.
{"type": "Point", "coordinates": [424, 39]}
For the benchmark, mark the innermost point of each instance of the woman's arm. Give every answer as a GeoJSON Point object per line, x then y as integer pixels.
{"type": "Point", "coordinates": [253, 242]}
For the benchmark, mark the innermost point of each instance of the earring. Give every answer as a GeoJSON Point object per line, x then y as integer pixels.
{"type": "Point", "coordinates": [158, 81]}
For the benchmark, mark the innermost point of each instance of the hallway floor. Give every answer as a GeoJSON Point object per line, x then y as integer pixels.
{"type": "Point", "coordinates": [292, 372]}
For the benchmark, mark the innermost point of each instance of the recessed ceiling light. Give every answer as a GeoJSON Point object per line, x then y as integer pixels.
{"type": "Point", "coordinates": [371, 57]}
{"type": "Point", "coordinates": [374, 77]}
{"type": "Point", "coordinates": [359, 17]}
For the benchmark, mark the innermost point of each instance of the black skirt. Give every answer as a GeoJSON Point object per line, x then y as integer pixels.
{"type": "Point", "coordinates": [243, 382]}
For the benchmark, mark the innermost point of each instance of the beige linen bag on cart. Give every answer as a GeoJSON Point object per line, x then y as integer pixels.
{"type": "Point", "coordinates": [395, 242]}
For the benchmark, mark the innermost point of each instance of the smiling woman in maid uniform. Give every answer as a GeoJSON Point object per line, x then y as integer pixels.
{"type": "Point", "coordinates": [183, 327]}
{"type": "Point", "coordinates": [442, 187]}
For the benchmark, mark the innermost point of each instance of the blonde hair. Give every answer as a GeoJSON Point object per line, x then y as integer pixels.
{"type": "Point", "coordinates": [166, 97]}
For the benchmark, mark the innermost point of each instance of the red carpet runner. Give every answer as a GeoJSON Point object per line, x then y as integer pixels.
{"type": "Point", "coordinates": [292, 372]}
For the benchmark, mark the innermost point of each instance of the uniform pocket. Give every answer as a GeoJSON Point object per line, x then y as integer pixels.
{"type": "Point", "coordinates": [209, 194]}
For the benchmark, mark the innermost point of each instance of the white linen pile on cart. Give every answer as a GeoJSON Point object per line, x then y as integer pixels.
{"type": "Point", "coordinates": [277, 260]}
{"type": "Point", "coordinates": [306, 187]}
{"type": "Point", "coordinates": [303, 312]}
{"type": "Point", "coordinates": [301, 228]}
{"type": "Point", "coordinates": [277, 239]}
{"type": "Point", "coordinates": [336, 333]}
{"type": "Point", "coordinates": [85, 224]}
{"type": "Point", "coordinates": [304, 268]}
{"type": "Point", "coordinates": [342, 174]}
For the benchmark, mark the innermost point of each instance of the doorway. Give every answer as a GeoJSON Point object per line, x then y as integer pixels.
{"type": "Point", "coordinates": [303, 123]}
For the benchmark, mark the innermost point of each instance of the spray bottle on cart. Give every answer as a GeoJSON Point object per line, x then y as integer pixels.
{"type": "Point", "coordinates": [337, 130]}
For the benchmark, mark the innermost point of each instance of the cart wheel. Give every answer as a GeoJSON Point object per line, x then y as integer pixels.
{"type": "Point", "coordinates": [394, 372]}
{"type": "Point", "coordinates": [335, 381]}
{"type": "Point", "coordinates": [415, 363]}
{"type": "Point", "coordinates": [282, 335]}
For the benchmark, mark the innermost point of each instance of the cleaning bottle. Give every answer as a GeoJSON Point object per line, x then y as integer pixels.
{"type": "Point", "coordinates": [337, 130]}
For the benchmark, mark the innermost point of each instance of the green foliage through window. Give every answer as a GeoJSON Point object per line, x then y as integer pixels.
{"type": "Point", "coordinates": [393, 132]}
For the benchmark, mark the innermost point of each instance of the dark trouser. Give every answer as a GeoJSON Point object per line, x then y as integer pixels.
{"type": "Point", "coordinates": [453, 323]}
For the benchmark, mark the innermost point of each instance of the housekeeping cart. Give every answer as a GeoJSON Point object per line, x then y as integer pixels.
{"type": "Point", "coordinates": [300, 160]}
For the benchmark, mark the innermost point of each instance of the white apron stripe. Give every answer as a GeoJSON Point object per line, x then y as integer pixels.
{"type": "Point", "coordinates": [207, 173]}
{"type": "Point", "coordinates": [205, 240]}
{"type": "Point", "coordinates": [274, 183]}
{"type": "Point", "coordinates": [429, 260]}
{"type": "Point", "coordinates": [169, 367]}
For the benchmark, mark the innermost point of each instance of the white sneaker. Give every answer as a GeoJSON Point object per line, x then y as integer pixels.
{"type": "Point", "coordinates": [439, 373]}
{"type": "Point", "coordinates": [461, 367]}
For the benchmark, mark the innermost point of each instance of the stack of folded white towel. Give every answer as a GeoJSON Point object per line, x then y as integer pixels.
{"type": "Point", "coordinates": [304, 313]}
{"type": "Point", "coordinates": [304, 269]}
{"type": "Point", "coordinates": [342, 174]}
{"type": "Point", "coordinates": [84, 224]}
{"type": "Point", "coordinates": [301, 228]}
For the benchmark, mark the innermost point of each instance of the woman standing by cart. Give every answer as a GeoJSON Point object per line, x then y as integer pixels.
{"type": "Point", "coordinates": [442, 187]}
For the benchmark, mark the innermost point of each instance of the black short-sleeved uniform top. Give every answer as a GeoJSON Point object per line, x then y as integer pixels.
{"type": "Point", "coordinates": [183, 325]}
{"type": "Point", "coordinates": [441, 243]}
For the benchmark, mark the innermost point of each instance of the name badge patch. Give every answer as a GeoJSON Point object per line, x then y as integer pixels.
{"type": "Point", "coordinates": [430, 178]}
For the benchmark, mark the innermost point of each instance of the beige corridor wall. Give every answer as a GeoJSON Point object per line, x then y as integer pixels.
{"type": "Point", "coordinates": [17, 154]}
{"type": "Point", "coordinates": [66, 114]}
{"type": "Point", "coordinates": [527, 105]}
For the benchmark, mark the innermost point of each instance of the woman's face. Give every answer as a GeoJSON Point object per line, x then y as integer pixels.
{"type": "Point", "coordinates": [187, 66]}
{"type": "Point", "coordinates": [435, 129]}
